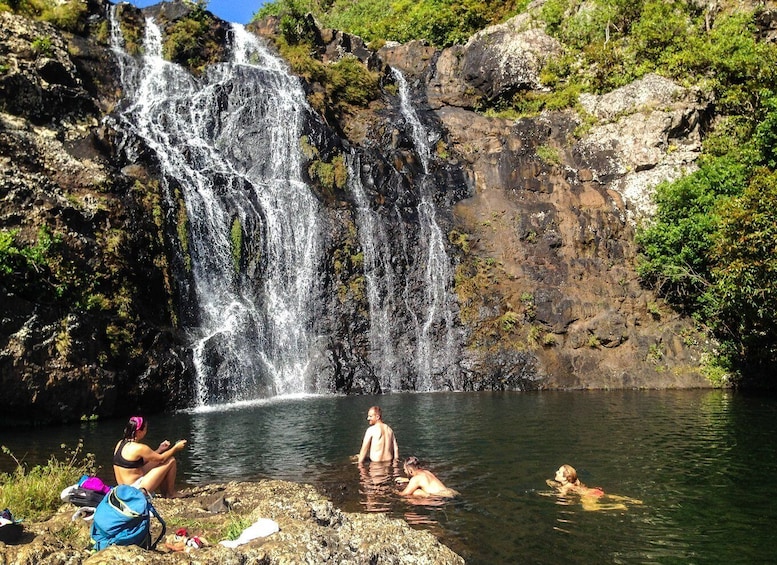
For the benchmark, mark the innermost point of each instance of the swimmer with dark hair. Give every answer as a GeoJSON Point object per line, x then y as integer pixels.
{"type": "Point", "coordinates": [423, 482]}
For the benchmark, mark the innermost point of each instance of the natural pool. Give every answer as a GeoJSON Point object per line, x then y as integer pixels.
{"type": "Point", "coordinates": [701, 462]}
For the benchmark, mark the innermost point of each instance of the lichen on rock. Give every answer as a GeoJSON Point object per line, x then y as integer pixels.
{"type": "Point", "coordinates": [312, 530]}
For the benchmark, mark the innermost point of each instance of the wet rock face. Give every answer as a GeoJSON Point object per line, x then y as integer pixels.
{"type": "Point", "coordinates": [66, 316]}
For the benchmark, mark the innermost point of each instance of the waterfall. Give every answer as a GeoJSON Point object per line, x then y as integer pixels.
{"type": "Point", "coordinates": [431, 334]}
{"type": "Point", "coordinates": [227, 144]}
{"type": "Point", "coordinates": [436, 338]}
{"type": "Point", "coordinates": [380, 283]}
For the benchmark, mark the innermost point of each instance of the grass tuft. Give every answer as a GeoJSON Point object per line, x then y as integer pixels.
{"type": "Point", "coordinates": [33, 493]}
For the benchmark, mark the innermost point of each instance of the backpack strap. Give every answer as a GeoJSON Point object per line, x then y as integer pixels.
{"type": "Point", "coordinates": [161, 521]}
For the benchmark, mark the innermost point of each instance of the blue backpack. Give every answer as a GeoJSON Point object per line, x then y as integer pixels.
{"type": "Point", "coordinates": [124, 518]}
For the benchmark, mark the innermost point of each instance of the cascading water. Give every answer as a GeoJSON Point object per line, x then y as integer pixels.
{"type": "Point", "coordinates": [436, 335]}
{"type": "Point", "coordinates": [380, 282]}
{"type": "Point", "coordinates": [390, 299]}
{"type": "Point", "coordinates": [228, 142]}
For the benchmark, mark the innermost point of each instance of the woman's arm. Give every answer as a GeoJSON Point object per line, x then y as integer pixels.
{"type": "Point", "coordinates": [150, 455]}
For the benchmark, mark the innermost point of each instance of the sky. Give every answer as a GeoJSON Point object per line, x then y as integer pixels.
{"type": "Point", "coordinates": [238, 11]}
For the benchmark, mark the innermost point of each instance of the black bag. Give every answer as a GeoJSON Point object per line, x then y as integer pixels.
{"type": "Point", "coordinates": [85, 497]}
{"type": "Point", "coordinates": [10, 533]}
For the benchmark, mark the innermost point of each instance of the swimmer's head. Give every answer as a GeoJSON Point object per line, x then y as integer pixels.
{"type": "Point", "coordinates": [374, 414]}
{"type": "Point", "coordinates": [566, 474]}
{"type": "Point", "coordinates": [411, 464]}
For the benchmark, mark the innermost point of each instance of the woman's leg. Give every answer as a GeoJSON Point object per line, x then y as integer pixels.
{"type": "Point", "coordinates": [161, 478]}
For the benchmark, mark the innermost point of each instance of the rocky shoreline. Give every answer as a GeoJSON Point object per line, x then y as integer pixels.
{"type": "Point", "coordinates": [312, 530]}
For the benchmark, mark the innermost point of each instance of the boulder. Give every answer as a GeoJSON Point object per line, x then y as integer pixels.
{"type": "Point", "coordinates": [652, 131]}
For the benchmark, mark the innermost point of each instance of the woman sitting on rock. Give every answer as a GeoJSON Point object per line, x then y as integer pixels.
{"type": "Point", "coordinates": [136, 464]}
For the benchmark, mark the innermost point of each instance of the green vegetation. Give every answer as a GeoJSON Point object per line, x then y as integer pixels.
{"type": "Point", "coordinates": [41, 45]}
{"type": "Point", "coordinates": [182, 229]}
{"type": "Point", "coordinates": [481, 291]}
{"type": "Point", "coordinates": [51, 269]}
{"type": "Point", "coordinates": [347, 83]}
{"type": "Point", "coordinates": [235, 526]}
{"type": "Point", "coordinates": [33, 494]}
{"type": "Point", "coordinates": [330, 176]}
{"type": "Point", "coordinates": [17, 257]}
{"type": "Point", "coordinates": [710, 249]}
{"type": "Point", "coordinates": [610, 43]}
{"type": "Point", "coordinates": [440, 22]}
{"type": "Point", "coordinates": [236, 236]}
{"type": "Point", "coordinates": [69, 15]}
{"type": "Point", "coordinates": [190, 42]}
{"type": "Point", "coordinates": [607, 43]}
{"type": "Point", "coordinates": [132, 30]}
{"type": "Point", "coordinates": [508, 320]}
{"type": "Point", "coordinates": [460, 240]}
{"type": "Point", "coordinates": [549, 155]}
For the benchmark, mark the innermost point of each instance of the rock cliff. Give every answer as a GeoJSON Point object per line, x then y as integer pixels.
{"type": "Point", "coordinates": [90, 323]}
{"type": "Point", "coordinates": [539, 215]}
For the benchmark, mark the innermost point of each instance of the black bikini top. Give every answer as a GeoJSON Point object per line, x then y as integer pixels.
{"type": "Point", "coordinates": [119, 461]}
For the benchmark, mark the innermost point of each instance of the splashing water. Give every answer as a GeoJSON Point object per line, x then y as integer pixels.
{"type": "Point", "coordinates": [432, 316]}
{"type": "Point", "coordinates": [227, 144]}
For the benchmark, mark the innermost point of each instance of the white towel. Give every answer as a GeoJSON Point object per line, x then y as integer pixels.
{"type": "Point", "coordinates": [262, 528]}
{"type": "Point", "coordinates": [85, 512]}
{"type": "Point", "coordinates": [65, 494]}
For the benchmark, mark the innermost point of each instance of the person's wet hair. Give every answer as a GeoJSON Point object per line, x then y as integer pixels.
{"type": "Point", "coordinates": [570, 473]}
{"type": "Point", "coordinates": [413, 462]}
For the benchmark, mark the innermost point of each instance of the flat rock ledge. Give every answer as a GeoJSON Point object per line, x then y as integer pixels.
{"type": "Point", "coordinates": [312, 530]}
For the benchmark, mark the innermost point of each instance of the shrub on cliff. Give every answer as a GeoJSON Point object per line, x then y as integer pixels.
{"type": "Point", "coordinates": [745, 272]}
{"type": "Point", "coordinates": [614, 42]}
{"type": "Point", "coordinates": [440, 22]}
{"type": "Point", "coordinates": [69, 15]}
{"type": "Point", "coordinates": [194, 40]}
{"type": "Point", "coordinates": [710, 247]}
{"type": "Point", "coordinates": [346, 83]}
{"type": "Point", "coordinates": [21, 263]}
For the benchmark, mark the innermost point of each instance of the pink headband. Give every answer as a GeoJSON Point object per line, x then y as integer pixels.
{"type": "Point", "coordinates": [138, 421]}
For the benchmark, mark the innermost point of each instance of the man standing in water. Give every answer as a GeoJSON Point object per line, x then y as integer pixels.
{"type": "Point", "coordinates": [379, 443]}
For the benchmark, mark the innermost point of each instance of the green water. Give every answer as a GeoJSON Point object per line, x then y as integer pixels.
{"type": "Point", "coordinates": [701, 462]}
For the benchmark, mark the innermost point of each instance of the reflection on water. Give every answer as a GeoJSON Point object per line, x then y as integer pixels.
{"type": "Point", "coordinates": [376, 486]}
{"type": "Point", "coordinates": [691, 457]}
